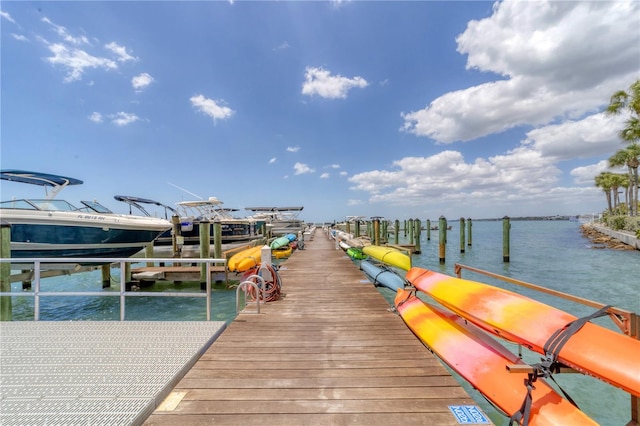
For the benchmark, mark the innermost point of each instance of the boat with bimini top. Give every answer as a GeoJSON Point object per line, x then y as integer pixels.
{"type": "Point", "coordinates": [51, 228]}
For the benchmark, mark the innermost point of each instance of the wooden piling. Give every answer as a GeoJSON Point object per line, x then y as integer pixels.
{"type": "Point", "coordinates": [418, 230]}
{"type": "Point", "coordinates": [462, 235]}
{"type": "Point", "coordinates": [205, 242]}
{"type": "Point", "coordinates": [442, 227]}
{"type": "Point", "coordinates": [6, 313]}
{"type": "Point", "coordinates": [357, 230]}
{"type": "Point", "coordinates": [469, 226]}
{"type": "Point", "coordinates": [411, 232]}
{"type": "Point", "coordinates": [506, 228]}
{"type": "Point", "coordinates": [376, 232]}
{"type": "Point", "coordinates": [396, 240]}
{"type": "Point", "coordinates": [175, 235]}
{"type": "Point", "coordinates": [105, 271]}
{"type": "Point", "coordinates": [148, 252]}
{"type": "Point", "coordinates": [385, 232]}
{"type": "Point", "coordinates": [428, 229]}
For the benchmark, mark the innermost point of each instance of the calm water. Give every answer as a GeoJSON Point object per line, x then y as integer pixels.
{"type": "Point", "coordinates": [549, 253]}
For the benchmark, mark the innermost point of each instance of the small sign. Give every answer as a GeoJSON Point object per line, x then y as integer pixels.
{"type": "Point", "coordinates": [469, 415]}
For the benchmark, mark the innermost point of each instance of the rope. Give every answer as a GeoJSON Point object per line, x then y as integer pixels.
{"type": "Point", "coordinates": [271, 289]}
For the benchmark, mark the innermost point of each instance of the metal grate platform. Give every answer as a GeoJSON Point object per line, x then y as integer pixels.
{"type": "Point", "coordinates": [97, 373]}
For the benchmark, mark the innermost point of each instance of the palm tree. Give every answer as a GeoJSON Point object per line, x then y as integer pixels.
{"type": "Point", "coordinates": [622, 101]}
{"type": "Point", "coordinates": [604, 181]}
{"type": "Point", "coordinates": [630, 157]}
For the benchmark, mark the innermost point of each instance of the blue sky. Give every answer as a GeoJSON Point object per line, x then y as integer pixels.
{"type": "Point", "coordinates": [395, 109]}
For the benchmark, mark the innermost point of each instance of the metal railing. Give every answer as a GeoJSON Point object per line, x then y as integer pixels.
{"type": "Point", "coordinates": [122, 294]}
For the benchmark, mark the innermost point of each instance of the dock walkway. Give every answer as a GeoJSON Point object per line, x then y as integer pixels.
{"type": "Point", "coordinates": [329, 352]}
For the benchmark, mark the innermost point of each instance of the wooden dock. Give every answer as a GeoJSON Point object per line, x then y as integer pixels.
{"type": "Point", "coordinates": [329, 352]}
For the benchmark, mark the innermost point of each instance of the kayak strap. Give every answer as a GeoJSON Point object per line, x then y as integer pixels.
{"type": "Point", "coordinates": [560, 337]}
{"type": "Point", "coordinates": [549, 365]}
{"type": "Point", "coordinates": [522, 415]}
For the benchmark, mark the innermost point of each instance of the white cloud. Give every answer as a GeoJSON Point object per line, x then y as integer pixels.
{"type": "Point", "coordinates": [355, 202]}
{"type": "Point", "coordinates": [65, 35]}
{"type": "Point", "coordinates": [121, 119]}
{"type": "Point", "coordinates": [319, 81]}
{"type": "Point", "coordinates": [141, 81]}
{"type": "Point", "coordinates": [19, 37]}
{"type": "Point", "coordinates": [282, 46]}
{"type": "Point", "coordinates": [7, 16]}
{"type": "Point", "coordinates": [77, 61]}
{"type": "Point", "coordinates": [536, 48]}
{"type": "Point", "coordinates": [293, 148]}
{"type": "Point", "coordinates": [120, 52]}
{"type": "Point", "coordinates": [585, 175]}
{"type": "Point", "coordinates": [324, 176]}
{"type": "Point", "coordinates": [214, 109]}
{"type": "Point", "coordinates": [96, 117]}
{"type": "Point", "coordinates": [301, 168]}
{"type": "Point", "coordinates": [343, 173]}
{"type": "Point", "coordinates": [273, 160]}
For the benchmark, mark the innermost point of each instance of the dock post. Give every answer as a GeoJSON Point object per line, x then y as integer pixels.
{"type": "Point", "coordinates": [405, 228]}
{"type": "Point", "coordinates": [105, 271]}
{"type": "Point", "coordinates": [217, 238]}
{"type": "Point", "coordinates": [506, 228]}
{"type": "Point", "coordinates": [26, 284]}
{"type": "Point", "coordinates": [357, 230]}
{"type": "Point", "coordinates": [428, 226]}
{"type": "Point", "coordinates": [384, 234]}
{"type": "Point", "coordinates": [6, 313]}
{"type": "Point", "coordinates": [148, 252]}
{"type": "Point", "coordinates": [411, 230]}
{"type": "Point", "coordinates": [396, 240]}
{"type": "Point", "coordinates": [418, 226]}
{"type": "Point", "coordinates": [376, 232]}
{"type": "Point", "coordinates": [205, 241]}
{"type": "Point", "coordinates": [469, 226]}
{"type": "Point", "coordinates": [442, 227]}
{"type": "Point", "coordinates": [175, 235]}
{"type": "Point", "coordinates": [347, 227]}
{"type": "Point", "coordinates": [462, 235]}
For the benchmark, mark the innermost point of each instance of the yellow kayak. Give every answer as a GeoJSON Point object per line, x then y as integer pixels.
{"type": "Point", "coordinates": [388, 255]}
{"type": "Point", "coordinates": [282, 252]}
{"type": "Point", "coordinates": [245, 259]}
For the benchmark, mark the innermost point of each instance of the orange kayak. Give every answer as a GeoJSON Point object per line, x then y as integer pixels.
{"type": "Point", "coordinates": [482, 361]}
{"type": "Point", "coordinates": [593, 350]}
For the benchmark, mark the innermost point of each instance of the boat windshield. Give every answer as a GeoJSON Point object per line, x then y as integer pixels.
{"type": "Point", "coordinates": [94, 206]}
{"type": "Point", "coordinates": [48, 205]}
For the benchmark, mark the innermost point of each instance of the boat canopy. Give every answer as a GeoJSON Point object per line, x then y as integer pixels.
{"type": "Point", "coordinates": [43, 179]}
{"type": "Point", "coordinates": [274, 209]}
{"type": "Point", "coordinates": [35, 178]}
{"type": "Point", "coordinates": [137, 201]}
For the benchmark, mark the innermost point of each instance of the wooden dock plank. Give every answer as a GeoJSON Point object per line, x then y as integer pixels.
{"type": "Point", "coordinates": [330, 351]}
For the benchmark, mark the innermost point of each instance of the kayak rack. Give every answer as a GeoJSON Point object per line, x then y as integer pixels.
{"type": "Point", "coordinates": [628, 322]}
